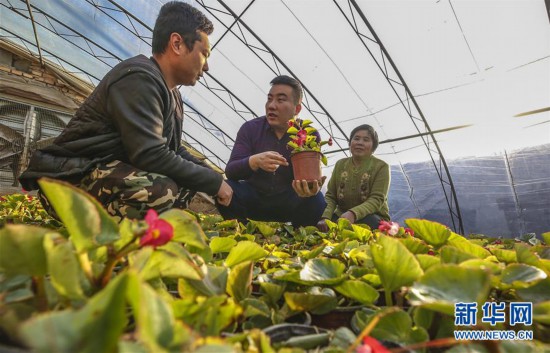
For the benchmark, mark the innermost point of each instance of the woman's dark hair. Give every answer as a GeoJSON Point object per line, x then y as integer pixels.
{"type": "Point", "coordinates": [182, 18]}
{"type": "Point", "coordinates": [370, 130]}
{"type": "Point", "coordinates": [297, 92]}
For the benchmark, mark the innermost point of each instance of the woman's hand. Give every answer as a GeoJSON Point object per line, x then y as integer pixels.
{"type": "Point", "coordinates": [350, 216]}
{"type": "Point", "coordinates": [322, 225]}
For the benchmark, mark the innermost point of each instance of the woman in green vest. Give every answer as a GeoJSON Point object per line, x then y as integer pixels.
{"type": "Point", "coordinates": [359, 185]}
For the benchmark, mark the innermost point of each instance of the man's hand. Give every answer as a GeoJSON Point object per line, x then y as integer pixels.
{"type": "Point", "coordinates": [350, 216]}
{"type": "Point", "coordinates": [268, 161]}
{"type": "Point", "coordinates": [303, 189]}
{"type": "Point", "coordinates": [224, 195]}
{"type": "Point", "coordinates": [322, 225]}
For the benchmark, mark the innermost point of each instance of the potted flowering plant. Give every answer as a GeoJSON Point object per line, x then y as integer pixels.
{"type": "Point", "coordinates": [306, 156]}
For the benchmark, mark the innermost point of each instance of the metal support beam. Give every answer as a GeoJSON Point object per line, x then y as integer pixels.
{"type": "Point", "coordinates": [442, 169]}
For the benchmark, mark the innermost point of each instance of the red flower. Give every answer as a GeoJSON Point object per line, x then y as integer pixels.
{"type": "Point", "coordinates": [290, 123]}
{"type": "Point", "coordinates": [409, 231]}
{"type": "Point", "coordinates": [371, 345]}
{"type": "Point", "coordinates": [159, 232]}
{"type": "Point", "coordinates": [330, 141]}
{"type": "Point", "coordinates": [301, 138]}
{"type": "Point", "coordinates": [391, 228]}
{"type": "Point", "coordinates": [431, 252]}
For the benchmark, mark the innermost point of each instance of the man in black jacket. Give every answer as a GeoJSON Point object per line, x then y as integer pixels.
{"type": "Point", "coordinates": [123, 144]}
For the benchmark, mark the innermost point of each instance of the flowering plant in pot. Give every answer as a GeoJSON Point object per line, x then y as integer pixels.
{"type": "Point", "coordinates": [306, 155]}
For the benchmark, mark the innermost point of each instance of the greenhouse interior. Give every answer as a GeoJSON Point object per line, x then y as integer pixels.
{"type": "Point", "coordinates": [458, 92]}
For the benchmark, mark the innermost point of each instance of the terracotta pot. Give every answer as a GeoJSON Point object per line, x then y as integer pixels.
{"type": "Point", "coordinates": [282, 332]}
{"type": "Point", "coordinates": [306, 165]}
{"type": "Point", "coordinates": [339, 317]}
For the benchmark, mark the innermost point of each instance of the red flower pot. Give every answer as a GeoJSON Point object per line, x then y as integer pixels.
{"type": "Point", "coordinates": [306, 165]}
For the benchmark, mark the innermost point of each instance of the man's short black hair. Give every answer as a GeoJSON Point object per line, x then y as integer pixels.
{"type": "Point", "coordinates": [297, 92]}
{"type": "Point", "coordinates": [370, 130]}
{"type": "Point", "coordinates": [182, 18]}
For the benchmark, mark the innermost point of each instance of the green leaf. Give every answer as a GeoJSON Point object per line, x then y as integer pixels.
{"type": "Point", "coordinates": [265, 228]}
{"type": "Point", "coordinates": [452, 255]}
{"type": "Point", "coordinates": [215, 348]}
{"type": "Point", "coordinates": [292, 130]}
{"type": "Point", "coordinates": [546, 237]}
{"type": "Point", "coordinates": [244, 251]}
{"type": "Point", "coordinates": [397, 327]}
{"type": "Point", "coordinates": [316, 301]}
{"type": "Point", "coordinates": [94, 328]}
{"type": "Point", "coordinates": [239, 283]}
{"type": "Point", "coordinates": [64, 267]}
{"type": "Point", "coordinates": [444, 285]}
{"type": "Point", "coordinates": [87, 222]}
{"type": "Point", "coordinates": [273, 290]}
{"type": "Point", "coordinates": [433, 233]}
{"type": "Point", "coordinates": [359, 291]}
{"type": "Point", "coordinates": [395, 264]}
{"type": "Point", "coordinates": [521, 275]}
{"type": "Point", "coordinates": [427, 261]}
{"type": "Point", "coordinates": [494, 268]}
{"type": "Point", "coordinates": [537, 293]}
{"type": "Point", "coordinates": [467, 246]}
{"type": "Point", "coordinates": [307, 254]}
{"type": "Point", "coordinates": [324, 159]}
{"type": "Point", "coordinates": [541, 312]}
{"type": "Point", "coordinates": [163, 263]}
{"type": "Point", "coordinates": [323, 271]}
{"type": "Point", "coordinates": [361, 233]}
{"type": "Point", "coordinates": [213, 283]}
{"type": "Point", "coordinates": [22, 250]}
{"type": "Point", "coordinates": [220, 245]}
{"type": "Point", "coordinates": [131, 347]}
{"type": "Point", "coordinates": [525, 256]}
{"type": "Point", "coordinates": [153, 316]}
{"type": "Point", "coordinates": [254, 307]}
{"type": "Point", "coordinates": [127, 230]}
{"type": "Point", "coordinates": [186, 228]}
{"type": "Point", "coordinates": [416, 246]}
{"type": "Point", "coordinates": [503, 255]}
{"type": "Point", "coordinates": [208, 316]}
{"type": "Point", "coordinates": [343, 338]}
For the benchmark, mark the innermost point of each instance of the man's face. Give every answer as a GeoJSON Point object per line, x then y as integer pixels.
{"type": "Point", "coordinates": [193, 63]}
{"type": "Point", "coordinates": [280, 107]}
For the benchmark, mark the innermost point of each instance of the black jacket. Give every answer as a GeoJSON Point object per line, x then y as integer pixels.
{"type": "Point", "coordinates": [133, 117]}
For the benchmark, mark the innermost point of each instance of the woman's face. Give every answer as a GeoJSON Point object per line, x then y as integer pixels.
{"type": "Point", "coordinates": [361, 144]}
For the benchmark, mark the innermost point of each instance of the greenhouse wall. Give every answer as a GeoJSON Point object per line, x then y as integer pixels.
{"type": "Point", "coordinates": [506, 195]}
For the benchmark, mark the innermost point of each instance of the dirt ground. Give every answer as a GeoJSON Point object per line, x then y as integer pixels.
{"type": "Point", "coordinates": [202, 205]}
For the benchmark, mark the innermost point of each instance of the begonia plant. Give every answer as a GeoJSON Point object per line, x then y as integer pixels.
{"type": "Point", "coordinates": [304, 137]}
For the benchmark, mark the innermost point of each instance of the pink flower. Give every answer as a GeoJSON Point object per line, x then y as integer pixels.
{"type": "Point", "coordinates": [431, 252]}
{"type": "Point", "coordinates": [409, 231]}
{"type": "Point", "coordinates": [391, 228]}
{"type": "Point", "coordinates": [159, 232]}
{"type": "Point", "coordinates": [301, 138]}
{"type": "Point", "coordinates": [371, 345]}
{"type": "Point", "coordinates": [330, 141]}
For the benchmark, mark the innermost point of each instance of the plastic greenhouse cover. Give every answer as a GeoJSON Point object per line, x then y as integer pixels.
{"type": "Point", "coordinates": [464, 62]}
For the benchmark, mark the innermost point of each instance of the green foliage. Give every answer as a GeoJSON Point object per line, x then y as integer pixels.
{"type": "Point", "coordinates": [25, 209]}
{"type": "Point", "coordinates": [90, 285]}
{"type": "Point", "coordinates": [395, 264]}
